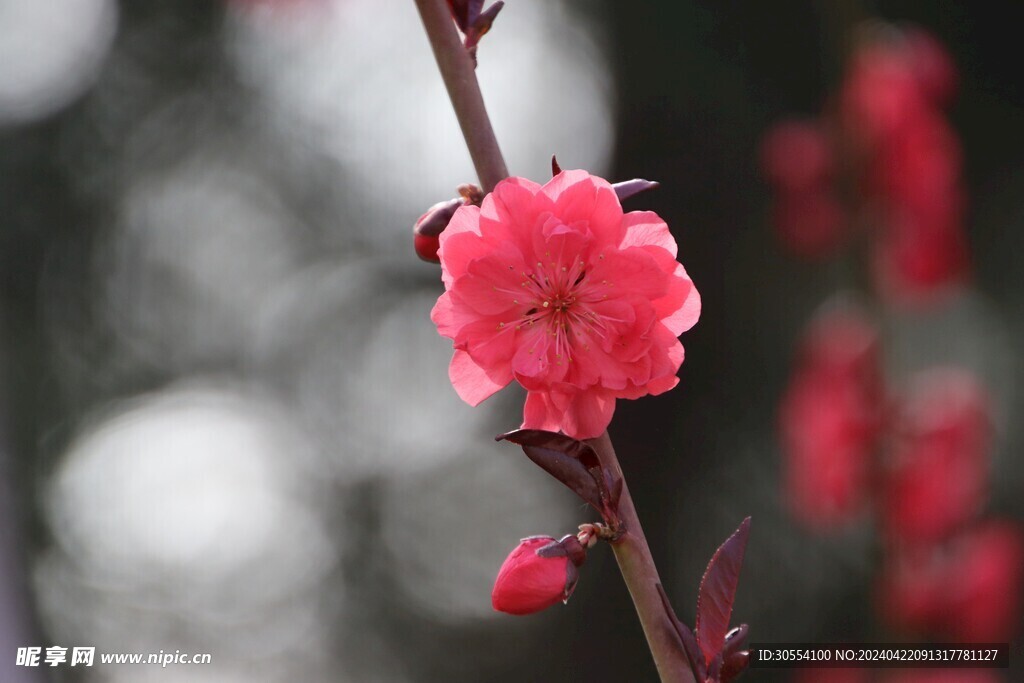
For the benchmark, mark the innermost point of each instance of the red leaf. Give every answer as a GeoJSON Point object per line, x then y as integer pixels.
{"type": "Point", "coordinates": [718, 591]}
{"type": "Point", "coordinates": [568, 460]}
{"type": "Point", "coordinates": [483, 23]}
{"type": "Point", "coordinates": [689, 643]}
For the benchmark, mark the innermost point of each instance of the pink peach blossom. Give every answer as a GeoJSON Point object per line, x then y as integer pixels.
{"type": "Point", "coordinates": [555, 287]}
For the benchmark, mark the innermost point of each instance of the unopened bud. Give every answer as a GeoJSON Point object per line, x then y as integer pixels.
{"type": "Point", "coordinates": [538, 573]}
{"type": "Point", "coordinates": [734, 665]}
{"type": "Point", "coordinates": [735, 659]}
{"type": "Point", "coordinates": [429, 226]}
{"type": "Point", "coordinates": [426, 247]}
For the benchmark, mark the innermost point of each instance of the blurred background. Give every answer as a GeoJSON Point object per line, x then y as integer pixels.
{"type": "Point", "coordinates": [225, 420]}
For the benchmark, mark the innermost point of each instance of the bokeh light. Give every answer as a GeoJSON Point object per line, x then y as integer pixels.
{"type": "Point", "coordinates": [51, 51]}
{"type": "Point", "coordinates": [401, 148]}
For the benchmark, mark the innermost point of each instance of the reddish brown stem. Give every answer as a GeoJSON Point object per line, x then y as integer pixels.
{"type": "Point", "coordinates": [459, 76]}
{"type": "Point", "coordinates": [641, 577]}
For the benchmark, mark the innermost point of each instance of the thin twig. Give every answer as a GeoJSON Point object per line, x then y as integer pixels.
{"type": "Point", "coordinates": [641, 577]}
{"type": "Point", "coordinates": [459, 76]}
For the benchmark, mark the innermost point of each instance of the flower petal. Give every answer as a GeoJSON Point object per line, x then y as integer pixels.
{"type": "Point", "coordinates": [680, 307]}
{"type": "Point", "coordinates": [510, 211]}
{"type": "Point", "coordinates": [460, 243]}
{"type": "Point", "coordinates": [589, 414]}
{"type": "Point", "coordinates": [580, 198]}
{"type": "Point", "coordinates": [472, 383]}
{"type": "Point", "coordinates": [538, 413]}
{"type": "Point", "coordinates": [645, 228]}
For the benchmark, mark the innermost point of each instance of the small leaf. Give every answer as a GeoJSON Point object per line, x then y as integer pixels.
{"type": "Point", "coordinates": [555, 168]}
{"type": "Point", "coordinates": [483, 23]}
{"type": "Point", "coordinates": [628, 188]}
{"type": "Point", "coordinates": [718, 592]}
{"type": "Point", "coordinates": [566, 459]}
{"type": "Point", "coordinates": [465, 12]}
{"type": "Point", "coordinates": [690, 647]}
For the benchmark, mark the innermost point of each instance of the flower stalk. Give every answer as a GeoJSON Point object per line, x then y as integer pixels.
{"type": "Point", "coordinates": [641, 576]}
{"type": "Point", "coordinates": [459, 74]}
{"type": "Point", "coordinates": [630, 549]}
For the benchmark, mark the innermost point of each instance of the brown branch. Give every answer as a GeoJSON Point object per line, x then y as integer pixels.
{"type": "Point", "coordinates": [641, 577]}
{"type": "Point", "coordinates": [459, 76]}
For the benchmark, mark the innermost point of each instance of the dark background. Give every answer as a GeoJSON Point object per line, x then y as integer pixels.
{"type": "Point", "coordinates": [696, 84]}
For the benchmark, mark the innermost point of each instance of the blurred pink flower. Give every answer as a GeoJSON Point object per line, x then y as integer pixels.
{"type": "Point", "coordinates": [882, 155]}
{"type": "Point", "coordinates": [937, 481]}
{"type": "Point", "coordinates": [881, 95]}
{"type": "Point", "coordinates": [911, 158]}
{"type": "Point", "coordinates": [830, 419]}
{"type": "Point", "coordinates": [555, 287]}
{"type": "Point", "coordinates": [797, 159]}
{"type": "Point", "coordinates": [983, 585]}
{"type": "Point", "coordinates": [920, 255]}
{"type": "Point", "coordinates": [796, 155]}
{"type": "Point", "coordinates": [968, 590]}
{"type": "Point", "coordinates": [915, 175]}
{"type": "Point", "coordinates": [909, 593]}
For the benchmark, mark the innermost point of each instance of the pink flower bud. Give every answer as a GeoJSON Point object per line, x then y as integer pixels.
{"type": "Point", "coordinates": [539, 572]}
